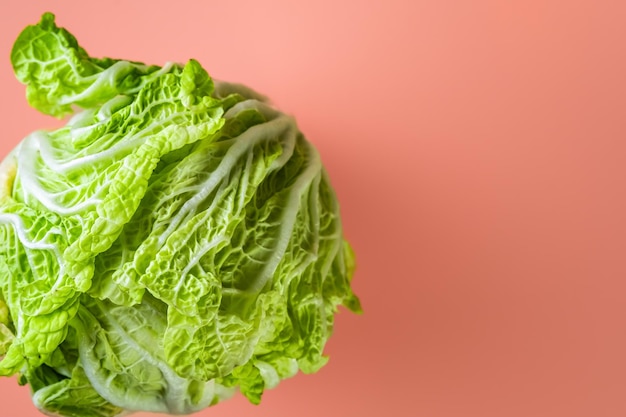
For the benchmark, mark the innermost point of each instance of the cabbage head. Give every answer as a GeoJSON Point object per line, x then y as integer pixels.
{"type": "Point", "coordinates": [177, 240]}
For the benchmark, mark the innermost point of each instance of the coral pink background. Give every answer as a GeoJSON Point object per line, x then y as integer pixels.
{"type": "Point", "coordinates": [478, 149]}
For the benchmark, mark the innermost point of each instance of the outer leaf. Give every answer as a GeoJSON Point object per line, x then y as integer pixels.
{"type": "Point", "coordinates": [71, 397]}
{"type": "Point", "coordinates": [121, 353]}
{"type": "Point", "coordinates": [60, 74]}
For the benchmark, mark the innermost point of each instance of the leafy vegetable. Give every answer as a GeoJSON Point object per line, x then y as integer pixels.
{"type": "Point", "coordinates": [178, 239]}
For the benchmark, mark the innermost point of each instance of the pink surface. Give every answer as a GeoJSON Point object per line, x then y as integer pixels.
{"type": "Point", "coordinates": [478, 150]}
